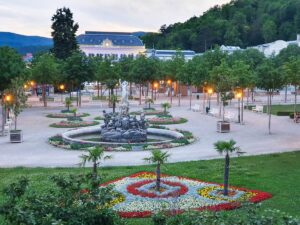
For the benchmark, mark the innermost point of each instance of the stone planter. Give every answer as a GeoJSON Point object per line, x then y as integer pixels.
{"type": "Point", "coordinates": [16, 136]}
{"type": "Point", "coordinates": [223, 127]}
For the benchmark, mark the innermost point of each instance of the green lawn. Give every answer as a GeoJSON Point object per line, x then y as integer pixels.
{"type": "Point", "coordinates": [278, 174]}
{"type": "Point", "coordinates": [282, 108]}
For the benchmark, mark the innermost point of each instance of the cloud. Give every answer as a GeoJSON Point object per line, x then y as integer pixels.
{"type": "Point", "coordinates": [34, 17]}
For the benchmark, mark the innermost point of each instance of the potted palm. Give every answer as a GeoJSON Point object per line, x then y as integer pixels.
{"type": "Point", "coordinates": [226, 147]}
{"type": "Point", "coordinates": [158, 157]}
{"type": "Point", "coordinates": [165, 106]}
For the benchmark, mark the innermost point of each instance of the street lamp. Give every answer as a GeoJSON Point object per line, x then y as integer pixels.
{"type": "Point", "coordinates": [155, 90]}
{"type": "Point", "coordinates": [170, 85]}
{"type": "Point", "coordinates": [239, 95]}
{"type": "Point", "coordinates": [209, 91]}
{"type": "Point", "coordinates": [62, 88]}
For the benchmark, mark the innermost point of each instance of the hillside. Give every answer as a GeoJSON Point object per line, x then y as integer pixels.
{"type": "Point", "coordinates": [24, 43]}
{"type": "Point", "coordinates": [240, 22]}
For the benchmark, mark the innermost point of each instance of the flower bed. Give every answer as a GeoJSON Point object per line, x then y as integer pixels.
{"type": "Point", "coordinates": [148, 112]}
{"type": "Point", "coordinates": [167, 120]}
{"type": "Point", "coordinates": [73, 124]}
{"type": "Point", "coordinates": [66, 115]}
{"type": "Point", "coordinates": [99, 118]}
{"type": "Point", "coordinates": [178, 194]}
{"type": "Point", "coordinates": [187, 139]}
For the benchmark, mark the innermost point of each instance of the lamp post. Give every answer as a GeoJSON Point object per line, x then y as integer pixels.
{"type": "Point", "coordinates": [7, 99]}
{"type": "Point", "coordinates": [61, 88]}
{"type": "Point", "coordinates": [209, 91]}
{"type": "Point", "coordinates": [239, 96]}
{"type": "Point", "coordinates": [170, 85]}
{"type": "Point", "coordinates": [155, 90]}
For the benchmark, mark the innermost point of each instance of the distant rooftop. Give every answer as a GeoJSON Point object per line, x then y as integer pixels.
{"type": "Point", "coordinates": [116, 38]}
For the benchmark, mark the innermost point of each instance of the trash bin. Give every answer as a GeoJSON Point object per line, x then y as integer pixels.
{"type": "Point", "coordinates": [197, 97]}
{"type": "Point", "coordinates": [207, 109]}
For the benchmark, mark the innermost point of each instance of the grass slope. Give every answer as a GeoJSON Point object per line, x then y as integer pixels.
{"type": "Point", "coordinates": [278, 174]}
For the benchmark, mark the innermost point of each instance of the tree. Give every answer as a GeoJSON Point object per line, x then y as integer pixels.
{"type": "Point", "coordinates": [158, 157]}
{"type": "Point", "coordinates": [11, 67]}
{"type": "Point", "coordinates": [68, 104]}
{"type": "Point", "coordinates": [165, 106]}
{"type": "Point", "coordinates": [114, 100]}
{"type": "Point", "coordinates": [78, 68]}
{"type": "Point", "coordinates": [95, 155]}
{"type": "Point", "coordinates": [292, 72]}
{"type": "Point", "coordinates": [223, 81]}
{"type": "Point", "coordinates": [269, 79]}
{"type": "Point", "coordinates": [45, 71]}
{"type": "Point", "coordinates": [64, 33]}
{"type": "Point", "coordinates": [18, 97]}
{"type": "Point", "coordinates": [269, 30]}
{"type": "Point", "coordinates": [149, 101]}
{"type": "Point", "coordinates": [226, 147]}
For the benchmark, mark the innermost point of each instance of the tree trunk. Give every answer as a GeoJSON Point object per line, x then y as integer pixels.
{"type": "Point", "coordinates": [140, 94]}
{"type": "Point", "coordinates": [44, 95]}
{"type": "Point", "coordinates": [226, 174]}
{"type": "Point", "coordinates": [79, 97]}
{"type": "Point", "coordinates": [248, 93]}
{"type": "Point", "coordinates": [3, 115]}
{"type": "Point", "coordinates": [285, 94]}
{"type": "Point", "coordinates": [295, 102]}
{"type": "Point", "coordinates": [190, 88]}
{"type": "Point", "coordinates": [179, 93]}
{"type": "Point", "coordinates": [95, 170]}
{"type": "Point", "coordinates": [16, 122]}
{"type": "Point", "coordinates": [101, 92]}
{"type": "Point", "coordinates": [223, 113]}
{"type": "Point", "coordinates": [242, 107]}
{"type": "Point", "coordinates": [204, 97]}
{"type": "Point", "coordinates": [158, 177]}
{"type": "Point", "coordinates": [171, 92]}
{"type": "Point", "coordinates": [130, 88]}
{"type": "Point", "coordinates": [152, 94]}
{"type": "Point", "coordinates": [270, 110]}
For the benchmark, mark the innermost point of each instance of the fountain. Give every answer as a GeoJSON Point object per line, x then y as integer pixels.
{"type": "Point", "coordinates": [122, 128]}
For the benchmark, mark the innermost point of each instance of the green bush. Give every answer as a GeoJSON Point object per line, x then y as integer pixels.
{"type": "Point", "coordinates": [248, 215]}
{"type": "Point", "coordinates": [72, 200]}
{"type": "Point", "coordinates": [282, 113]}
{"type": "Point", "coordinates": [99, 98]}
{"type": "Point", "coordinates": [74, 118]}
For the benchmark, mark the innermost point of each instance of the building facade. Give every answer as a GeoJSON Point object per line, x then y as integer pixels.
{"type": "Point", "coordinates": [165, 55]}
{"type": "Point", "coordinates": [110, 44]}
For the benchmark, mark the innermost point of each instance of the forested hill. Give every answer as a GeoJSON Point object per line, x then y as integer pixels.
{"type": "Point", "coordinates": [241, 22]}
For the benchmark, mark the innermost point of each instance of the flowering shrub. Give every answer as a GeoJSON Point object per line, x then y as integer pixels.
{"type": "Point", "coordinates": [73, 124]}
{"type": "Point", "coordinates": [141, 198]}
{"type": "Point", "coordinates": [66, 115]}
{"type": "Point", "coordinates": [167, 120]}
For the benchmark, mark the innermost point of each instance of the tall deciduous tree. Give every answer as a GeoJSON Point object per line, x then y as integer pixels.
{"type": "Point", "coordinates": [269, 79]}
{"type": "Point", "coordinates": [292, 72]}
{"type": "Point", "coordinates": [45, 71]}
{"type": "Point", "coordinates": [11, 67]}
{"type": "Point", "coordinates": [64, 33]}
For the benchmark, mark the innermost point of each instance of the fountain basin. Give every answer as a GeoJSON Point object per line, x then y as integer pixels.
{"type": "Point", "coordinates": [75, 136]}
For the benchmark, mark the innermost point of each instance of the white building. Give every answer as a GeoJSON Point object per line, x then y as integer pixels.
{"type": "Point", "coordinates": [110, 44]}
{"type": "Point", "coordinates": [230, 49]}
{"type": "Point", "coordinates": [274, 48]}
{"type": "Point", "coordinates": [169, 54]}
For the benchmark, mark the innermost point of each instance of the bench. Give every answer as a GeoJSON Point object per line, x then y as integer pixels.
{"type": "Point", "coordinates": [258, 108]}
{"type": "Point", "coordinates": [229, 116]}
{"type": "Point", "coordinates": [213, 112]}
{"type": "Point", "coordinates": [195, 108]}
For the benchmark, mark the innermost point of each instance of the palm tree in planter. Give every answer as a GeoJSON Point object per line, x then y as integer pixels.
{"type": "Point", "coordinates": [95, 155]}
{"type": "Point", "coordinates": [158, 157]}
{"type": "Point", "coordinates": [227, 147]}
{"type": "Point", "coordinates": [149, 101]}
{"type": "Point", "coordinates": [165, 106]}
{"type": "Point", "coordinates": [68, 103]}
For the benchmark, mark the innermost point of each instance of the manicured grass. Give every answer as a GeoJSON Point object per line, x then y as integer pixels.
{"type": "Point", "coordinates": [73, 124]}
{"type": "Point", "coordinates": [278, 174]}
{"type": "Point", "coordinates": [282, 108]}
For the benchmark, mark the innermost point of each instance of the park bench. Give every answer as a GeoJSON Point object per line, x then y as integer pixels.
{"type": "Point", "coordinates": [196, 108]}
{"type": "Point", "coordinates": [258, 108]}
{"type": "Point", "coordinates": [229, 116]}
{"type": "Point", "coordinates": [213, 112]}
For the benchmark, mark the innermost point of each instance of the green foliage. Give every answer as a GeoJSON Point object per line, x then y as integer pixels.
{"type": "Point", "coordinates": [249, 214]}
{"type": "Point", "coordinates": [64, 33]}
{"type": "Point", "coordinates": [71, 200]}
{"type": "Point", "coordinates": [243, 23]}
{"type": "Point", "coordinates": [226, 146]}
{"type": "Point", "coordinates": [11, 66]}
{"type": "Point", "coordinates": [165, 106]}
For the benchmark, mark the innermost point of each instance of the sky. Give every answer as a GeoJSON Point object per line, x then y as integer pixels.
{"type": "Point", "coordinates": [33, 17]}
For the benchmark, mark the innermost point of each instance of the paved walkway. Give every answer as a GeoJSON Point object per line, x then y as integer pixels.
{"type": "Point", "coordinates": [252, 137]}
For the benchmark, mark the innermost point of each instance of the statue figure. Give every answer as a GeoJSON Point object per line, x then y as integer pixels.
{"type": "Point", "coordinates": [124, 106]}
